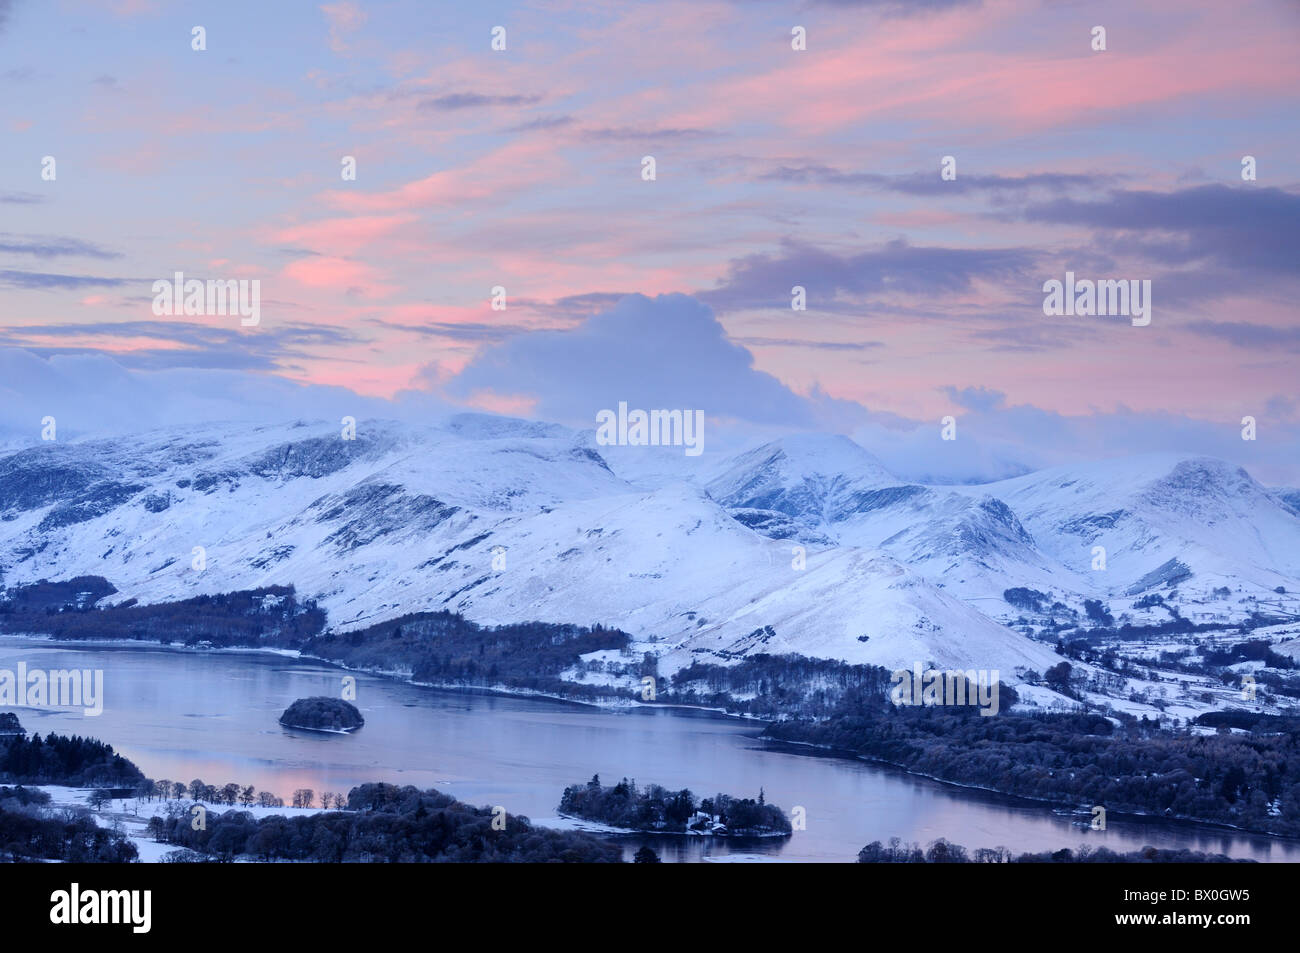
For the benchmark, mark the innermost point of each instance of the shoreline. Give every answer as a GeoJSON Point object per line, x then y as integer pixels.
{"type": "Point", "coordinates": [604, 703]}
{"type": "Point", "coordinates": [1060, 808]}
{"type": "Point", "coordinates": [609, 830]}
{"type": "Point", "coordinates": [627, 704]}
{"type": "Point", "coordinates": [328, 731]}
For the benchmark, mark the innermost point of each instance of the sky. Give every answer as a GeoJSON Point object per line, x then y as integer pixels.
{"type": "Point", "coordinates": [523, 168]}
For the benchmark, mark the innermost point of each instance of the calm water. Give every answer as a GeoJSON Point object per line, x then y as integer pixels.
{"type": "Point", "coordinates": [185, 715]}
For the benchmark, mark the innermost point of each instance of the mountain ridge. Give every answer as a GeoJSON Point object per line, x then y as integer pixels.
{"type": "Point", "coordinates": [805, 544]}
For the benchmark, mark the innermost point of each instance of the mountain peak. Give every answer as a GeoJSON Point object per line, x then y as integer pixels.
{"type": "Point", "coordinates": [476, 426]}
{"type": "Point", "coordinates": [813, 478]}
{"type": "Point", "coordinates": [797, 457]}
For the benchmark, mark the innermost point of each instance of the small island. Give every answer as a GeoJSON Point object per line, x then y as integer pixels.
{"type": "Point", "coordinates": [656, 810]}
{"type": "Point", "coordinates": [322, 713]}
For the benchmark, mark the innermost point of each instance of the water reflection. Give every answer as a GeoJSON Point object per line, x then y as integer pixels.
{"type": "Point", "coordinates": [212, 716]}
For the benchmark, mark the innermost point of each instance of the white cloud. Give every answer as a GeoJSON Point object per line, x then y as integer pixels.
{"type": "Point", "coordinates": [666, 352]}
{"type": "Point", "coordinates": [93, 394]}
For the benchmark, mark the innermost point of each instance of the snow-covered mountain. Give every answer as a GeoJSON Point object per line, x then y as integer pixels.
{"type": "Point", "coordinates": [1182, 528]}
{"type": "Point", "coordinates": [827, 489]}
{"type": "Point", "coordinates": [803, 545]}
{"type": "Point", "coordinates": [1192, 525]}
{"type": "Point", "coordinates": [1289, 497]}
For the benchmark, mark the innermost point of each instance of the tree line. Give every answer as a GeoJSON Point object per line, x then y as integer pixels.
{"type": "Point", "coordinates": [60, 759]}
{"type": "Point", "coordinates": [32, 831]}
{"type": "Point", "coordinates": [656, 809]}
{"type": "Point", "coordinates": [1245, 780]}
{"type": "Point", "coordinates": [942, 851]}
{"type": "Point", "coordinates": [383, 823]}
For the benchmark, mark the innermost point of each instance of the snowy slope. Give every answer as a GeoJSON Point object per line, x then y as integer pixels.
{"type": "Point", "coordinates": [816, 479]}
{"type": "Point", "coordinates": [1198, 532]}
{"type": "Point", "coordinates": [829, 490]}
{"type": "Point", "coordinates": [294, 504]}
{"type": "Point", "coordinates": [1166, 522]}
{"type": "Point", "coordinates": [507, 521]}
{"type": "Point", "coordinates": [502, 521]}
{"type": "Point", "coordinates": [674, 567]}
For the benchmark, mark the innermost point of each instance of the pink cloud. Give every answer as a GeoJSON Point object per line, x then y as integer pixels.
{"type": "Point", "coordinates": [373, 380]}
{"type": "Point", "coordinates": [502, 172]}
{"type": "Point", "coordinates": [514, 405]}
{"type": "Point", "coordinates": [342, 236]}
{"type": "Point", "coordinates": [337, 274]}
{"type": "Point", "coordinates": [952, 69]}
{"type": "Point", "coordinates": [344, 19]}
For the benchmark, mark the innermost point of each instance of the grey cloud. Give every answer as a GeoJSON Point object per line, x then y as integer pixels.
{"type": "Point", "coordinates": [1001, 440]}
{"type": "Point", "coordinates": [620, 133]}
{"type": "Point", "coordinates": [1248, 228]}
{"type": "Point", "coordinates": [98, 393]}
{"type": "Point", "coordinates": [765, 280]}
{"type": "Point", "coordinates": [1032, 336]}
{"type": "Point", "coordinates": [203, 346]}
{"type": "Point", "coordinates": [453, 101]}
{"type": "Point", "coordinates": [575, 307]}
{"type": "Point", "coordinates": [1246, 335]}
{"type": "Point", "coordinates": [543, 122]}
{"type": "Point", "coordinates": [819, 345]}
{"type": "Point", "coordinates": [53, 247]}
{"type": "Point", "coordinates": [927, 183]}
{"type": "Point", "coordinates": [466, 332]}
{"type": "Point", "coordinates": [41, 281]}
{"type": "Point", "coordinates": [976, 398]}
{"type": "Point", "coordinates": [668, 351]}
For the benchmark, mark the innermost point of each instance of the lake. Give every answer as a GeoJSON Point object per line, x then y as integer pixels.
{"type": "Point", "coordinates": [213, 715]}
